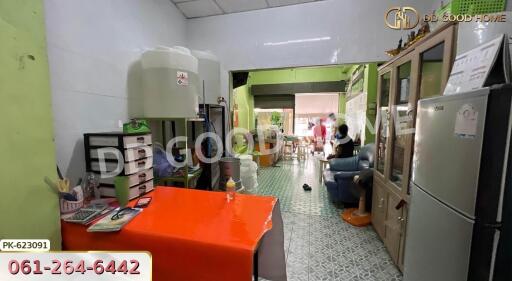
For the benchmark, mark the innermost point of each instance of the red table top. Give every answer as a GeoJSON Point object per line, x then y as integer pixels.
{"type": "Point", "coordinates": [192, 234]}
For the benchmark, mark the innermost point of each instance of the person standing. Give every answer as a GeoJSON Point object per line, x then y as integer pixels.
{"type": "Point", "coordinates": [319, 136]}
{"type": "Point", "coordinates": [320, 131]}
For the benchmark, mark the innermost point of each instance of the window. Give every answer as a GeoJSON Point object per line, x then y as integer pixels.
{"type": "Point", "coordinates": [311, 107]}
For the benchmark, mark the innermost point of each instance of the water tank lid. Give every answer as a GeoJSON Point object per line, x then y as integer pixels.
{"type": "Point", "coordinates": [166, 57]}
{"type": "Point", "coordinates": [207, 55]}
{"type": "Point", "coordinates": [182, 49]}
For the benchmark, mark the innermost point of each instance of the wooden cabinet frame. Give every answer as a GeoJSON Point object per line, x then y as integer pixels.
{"type": "Point", "coordinates": [382, 72]}
{"type": "Point", "coordinates": [399, 193]}
{"type": "Point", "coordinates": [414, 60]}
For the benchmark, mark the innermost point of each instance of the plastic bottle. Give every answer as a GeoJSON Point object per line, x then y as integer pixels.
{"type": "Point", "coordinates": [230, 189]}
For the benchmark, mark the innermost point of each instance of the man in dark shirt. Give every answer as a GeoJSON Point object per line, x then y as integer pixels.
{"type": "Point", "coordinates": [344, 144]}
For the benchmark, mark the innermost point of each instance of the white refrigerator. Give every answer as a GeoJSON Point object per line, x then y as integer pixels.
{"type": "Point", "coordinates": [459, 225]}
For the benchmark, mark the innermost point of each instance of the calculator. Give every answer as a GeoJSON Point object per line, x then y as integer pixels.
{"type": "Point", "coordinates": [84, 215]}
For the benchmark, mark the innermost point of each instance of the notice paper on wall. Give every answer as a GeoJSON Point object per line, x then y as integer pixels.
{"type": "Point", "coordinates": [471, 69]}
{"type": "Point", "coordinates": [466, 122]}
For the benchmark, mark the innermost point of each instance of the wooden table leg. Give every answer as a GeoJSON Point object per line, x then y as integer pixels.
{"type": "Point", "coordinates": [320, 171]}
{"type": "Point", "coordinates": [323, 163]}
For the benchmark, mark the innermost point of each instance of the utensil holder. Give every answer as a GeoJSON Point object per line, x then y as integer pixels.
{"type": "Point", "coordinates": [67, 206]}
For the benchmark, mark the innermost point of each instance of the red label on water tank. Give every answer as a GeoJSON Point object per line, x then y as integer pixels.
{"type": "Point", "coordinates": [182, 78]}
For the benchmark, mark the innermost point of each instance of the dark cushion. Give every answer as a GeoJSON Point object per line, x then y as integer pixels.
{"type": "Point", "coordinates": [366, 155]}
{"type": "Point", "coordinates": [343, 164]}
{"type": "Point", "coordinates": [339, 177]}
{"type": "Point", "coordinates": [331, 185]}
{"type": "Point", "coordinates": [366, 152]}
{"type": "Point", "coordinates": [345, 175]}
{"type": "Point", "coordinates": [329, 177]}
{"type": "Point", "coordinates": [363, 165]}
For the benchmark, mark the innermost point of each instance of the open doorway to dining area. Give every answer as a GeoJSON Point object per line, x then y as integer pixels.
{"type": "Point", "coordinates": [306, 107]}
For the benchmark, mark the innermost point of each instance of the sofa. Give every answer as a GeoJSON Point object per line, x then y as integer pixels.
{"type": "Point", "coordinates": [339, 177]}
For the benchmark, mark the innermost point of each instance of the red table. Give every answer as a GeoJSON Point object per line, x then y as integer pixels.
{"type": "Point", "coordinates": [191, 234]}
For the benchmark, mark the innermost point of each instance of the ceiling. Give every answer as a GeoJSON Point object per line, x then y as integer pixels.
{"type": "Point", "coordinates": [205, 8]}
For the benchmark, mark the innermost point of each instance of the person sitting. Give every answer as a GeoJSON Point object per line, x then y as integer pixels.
{"type": "Point", "coordinates": [337, 153]}
{"type": "Point", "coordinates": [343, 143]}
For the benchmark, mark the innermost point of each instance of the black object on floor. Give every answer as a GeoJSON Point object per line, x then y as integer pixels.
{"type": "Point", "coordinates": [307, 187]}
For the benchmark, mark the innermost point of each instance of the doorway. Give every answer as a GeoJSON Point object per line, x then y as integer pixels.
{"type": "Point", "coordinates": [294, 100]}
{"type": "Point", "coordinates": [282, 118]}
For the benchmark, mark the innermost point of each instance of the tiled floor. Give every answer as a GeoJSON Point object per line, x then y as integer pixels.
{"type": "Point", "coordinates": [318, 244]}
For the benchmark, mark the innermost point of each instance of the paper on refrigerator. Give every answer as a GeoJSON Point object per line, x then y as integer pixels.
{"type": "Point", "coordinates": [466, 122]}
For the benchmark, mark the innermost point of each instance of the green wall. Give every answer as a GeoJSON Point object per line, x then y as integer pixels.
{"type": "Point", "coordinates": [299, 75]}
{"type": "Point", "coordinates": [342, 102]}
{"type": "Point", "coordinates": [245, 102]}
{"type": "Point", "coordinates": [28, 208]}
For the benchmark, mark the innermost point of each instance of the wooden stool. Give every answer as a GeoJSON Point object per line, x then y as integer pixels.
{"type": "Point", "coordinates": [322, 165]}
{"type": "Point", "coordinates": [302, 152]}
{"type": "Point", "coordinates": [288, 150]}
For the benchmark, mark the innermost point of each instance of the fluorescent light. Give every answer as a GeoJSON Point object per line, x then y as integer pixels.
{"type": "Point", "coordinates": [297, 41]}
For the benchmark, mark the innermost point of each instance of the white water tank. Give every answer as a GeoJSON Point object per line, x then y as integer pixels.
{"type": "Point", "coordinates": [209, 72]}
{"type": "Point", "coordinates": [170, 84]}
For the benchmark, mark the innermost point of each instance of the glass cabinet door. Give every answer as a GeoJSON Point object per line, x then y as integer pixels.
{"type": "Point", "coordinates": [401, 123]}
{"type": "Point", "coordinates": [431, 71]}
{"type": "Point", "coordinates": [432, 76]}
{"type": "Point", "coordinates": [383, 111]}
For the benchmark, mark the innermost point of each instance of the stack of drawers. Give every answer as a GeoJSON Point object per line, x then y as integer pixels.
{"type": "Point", "coordinates": [135, 162]}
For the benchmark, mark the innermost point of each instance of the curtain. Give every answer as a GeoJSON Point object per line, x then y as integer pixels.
{"type": "Point", "coordinates": [312, 105]}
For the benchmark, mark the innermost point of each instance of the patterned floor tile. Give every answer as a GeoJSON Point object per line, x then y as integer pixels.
{"type": "Point", "coordinates": [318, 244]}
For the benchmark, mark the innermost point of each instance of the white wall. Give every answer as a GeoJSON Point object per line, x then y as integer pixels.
{"type": "Point", "coordinates": [92, 46]}
{"type": "Point", "coordinates": [355, 29]}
